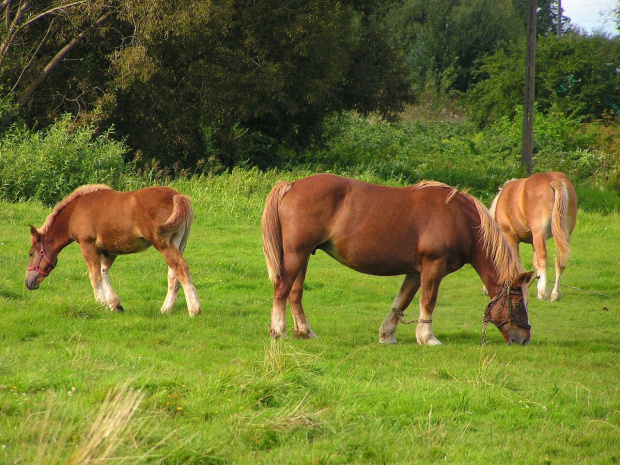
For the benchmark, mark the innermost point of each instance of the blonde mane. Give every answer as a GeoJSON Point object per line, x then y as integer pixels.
{"type": "Point", "coordinates": [80, 191]}
{"type": "Point", "coordinates": [506, 261]}
{"type": "Point", "coordinates": [423, 184]}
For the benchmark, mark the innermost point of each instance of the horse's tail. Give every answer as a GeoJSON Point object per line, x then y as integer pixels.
{"type": "Point", "coordinates": [559, 222]}
{"type": "Point", "coordinates": [272, 229]}
{"type": "Point", "coordinates": [179, 223]}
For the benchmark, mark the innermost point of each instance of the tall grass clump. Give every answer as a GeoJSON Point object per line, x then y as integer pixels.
{"type": "Point", "coordinates": [48, 165]}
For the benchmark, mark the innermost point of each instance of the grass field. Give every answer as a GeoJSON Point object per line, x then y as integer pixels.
{"type": "Point", "coordinates": [79, 384]}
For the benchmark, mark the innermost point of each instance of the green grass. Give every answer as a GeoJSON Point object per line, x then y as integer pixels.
{"type": "Point", "coordinates": [216, 390]}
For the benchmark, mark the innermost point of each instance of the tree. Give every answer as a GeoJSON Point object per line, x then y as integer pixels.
{"type": "Point", "coordinates": [445, 38]}
{"type": "Point", "coordinates": [575, 75]}
{"type": "Point", "coordinates": [36, 38]}
{"type": "Point", "coordinates": [236, 79]}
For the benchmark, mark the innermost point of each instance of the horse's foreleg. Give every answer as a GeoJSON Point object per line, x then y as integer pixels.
{"type": "Point", "coordinates": [178, 266]}
{"type": "Point", "coordinates": [432, 273]}
{"type": "Point", "coordinates": [301, 326]}
{"type": "Point", "coordinates": [539, 260]}
{"type": "Point", "coordinates": [114, 302]}
{"type": "Point", "coordinates": [387, 332]}
{"type": "Point", "coordinates": [93, 261]}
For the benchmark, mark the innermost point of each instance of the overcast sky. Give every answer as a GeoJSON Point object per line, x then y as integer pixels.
{"type": "Point", "coordinates": [587, 14]}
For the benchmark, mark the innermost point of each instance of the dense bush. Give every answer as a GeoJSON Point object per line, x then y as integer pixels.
{"type": "Point", "coordinates": [47, 166]}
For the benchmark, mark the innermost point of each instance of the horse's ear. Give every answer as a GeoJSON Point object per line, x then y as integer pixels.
{"type": "Point", "coordinates": [523, 278]}
{"type": "Point", "coordinates": [35, 233]}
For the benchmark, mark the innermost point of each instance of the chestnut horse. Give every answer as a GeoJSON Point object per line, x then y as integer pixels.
{"type": "Point", "coordinates": [425, 232]}
{"type": "Point", "coordinates": [105, 224]}
{"type": "Point", "coordinates": [533, 209]}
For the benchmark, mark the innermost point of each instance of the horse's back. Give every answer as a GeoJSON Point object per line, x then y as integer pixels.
{"type": "Point", "coordinates": [112, 213]}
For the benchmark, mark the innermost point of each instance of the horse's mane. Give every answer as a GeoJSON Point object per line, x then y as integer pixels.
{"type": "Point", "coordinates": [423, 184]}
{"type": "Point", "coordinates": [506, 261]}
{"type": "Point", "coordinates": [80, 191]}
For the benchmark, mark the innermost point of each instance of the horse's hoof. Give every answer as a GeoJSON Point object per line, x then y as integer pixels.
{"type": "Point", "coordinates": [306, 335]}
{"type": "Point", "coordinates": [274, 335]}
{"type": "Point", "coordinates": [388, 340]}
{"type": "Point", "coordinates": [430, 342]}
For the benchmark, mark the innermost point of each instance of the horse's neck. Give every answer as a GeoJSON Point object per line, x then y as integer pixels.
{"type": "Point", "coordinates": [59, 229]}
{"type": "Point", "coordinates": [489, 276]}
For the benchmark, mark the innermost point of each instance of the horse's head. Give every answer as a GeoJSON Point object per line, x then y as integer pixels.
{"type": "Point", "coordinates": [508, 310]}
{"type": "Point", "coordinates": [41, 262]}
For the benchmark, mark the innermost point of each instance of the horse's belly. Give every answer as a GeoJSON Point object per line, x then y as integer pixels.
{"type": "Point", "coordinates": [122, 245]}
{"type": "Point", "coordinates": [374, 261]}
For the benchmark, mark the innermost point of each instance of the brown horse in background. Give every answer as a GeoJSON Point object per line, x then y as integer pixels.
{"type": "Point", "coordinates": [425, 232]}
{"type": "Point", "coordinates": [105, 224]}
{"type": "Point", "coordinates": [533, 209]}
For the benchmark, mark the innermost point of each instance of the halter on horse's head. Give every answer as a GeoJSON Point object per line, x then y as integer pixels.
{"type": "Point", "coordinates": [40, 264]}
{"type": "Point", "coordinates": [508, 312]}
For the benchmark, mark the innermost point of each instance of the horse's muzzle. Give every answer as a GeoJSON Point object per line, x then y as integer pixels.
{"type": "Point", "coordinates": [32, 281]}
{"type": "Point", "coordinates": [522, 342]}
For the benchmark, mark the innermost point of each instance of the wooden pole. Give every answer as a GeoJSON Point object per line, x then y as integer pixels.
{"type": "Point", "coordinates": [528, 90]}
{"type": "Point", "coordinates": [559, 28]}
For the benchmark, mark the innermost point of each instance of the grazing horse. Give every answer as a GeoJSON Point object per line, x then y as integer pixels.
{"type": "Point", "coordinates": [105, 224]}
{"type": "Point", "coordinates": [533, 209]}
{"type": "Point", "coordinates": [425, 232]}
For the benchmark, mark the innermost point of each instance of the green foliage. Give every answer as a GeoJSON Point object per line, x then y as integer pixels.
{"type": "Point", "coordinates": [575, 75]}
{"type": "Point", "coordinates": [444, 39]}
{"type": "Point", "coordinates": [246, 80]}
{"type": "Point", "coordinates": [48, 165]}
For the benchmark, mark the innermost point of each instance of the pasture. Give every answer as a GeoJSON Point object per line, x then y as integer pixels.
{"type": "Point", "coordinates": [80, 384]}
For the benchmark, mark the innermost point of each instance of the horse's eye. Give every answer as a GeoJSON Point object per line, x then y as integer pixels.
{"type": "Point", "coordinates": [31, 254]}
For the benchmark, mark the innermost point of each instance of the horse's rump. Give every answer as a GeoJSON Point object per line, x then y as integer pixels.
{"type": "Point", "coordinates": [272, 230]}
{"type": "Point", "coordinates": [182, 216]}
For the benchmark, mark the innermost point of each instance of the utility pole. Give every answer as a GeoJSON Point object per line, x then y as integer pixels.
{"type": "Point", "coordinates": [528, 90]}
{"type": "Point", "coordinates": [559, 29]}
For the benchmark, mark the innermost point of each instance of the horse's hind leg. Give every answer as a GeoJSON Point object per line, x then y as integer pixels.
{"type": "Point", "coordinates": [301, 326]}
{"type": "Point", "coordinates": [282, 286]}
{"type": "Point", "coordinates": [178, 270]}
{"type": "Point", "coordinates": [173, 292]}
{"type": "Point", "coordinates": [556, 294]}
{"type": "Point", "coordinates": [387, 332]}
{"type": "Point", "coordinates": [173, 282]}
